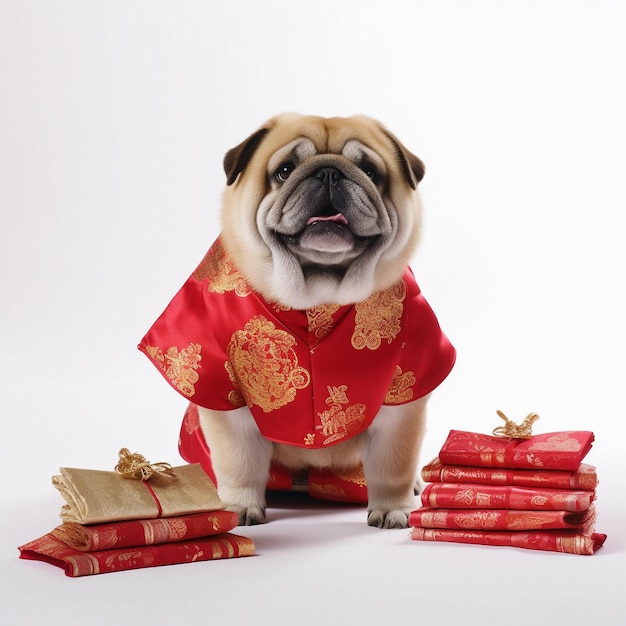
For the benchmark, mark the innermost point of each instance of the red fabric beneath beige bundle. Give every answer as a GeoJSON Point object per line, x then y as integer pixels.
{"type": "Point", "coordinates": [93, 537]}
{"type": "Point", "coordinates": [75, 563]}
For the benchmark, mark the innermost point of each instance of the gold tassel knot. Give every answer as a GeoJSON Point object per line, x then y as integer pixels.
{"type": "Point", "coordinates": [135, 465]}
{"type": "Point", "coordinates": [511, 430]}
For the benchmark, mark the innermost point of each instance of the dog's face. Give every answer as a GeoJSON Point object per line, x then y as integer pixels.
{"type": "Point", "coordinates": [321, 210]}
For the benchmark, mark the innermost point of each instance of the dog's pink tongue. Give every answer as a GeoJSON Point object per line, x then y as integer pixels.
{"type": "Point", "coordinates": [338, 217]}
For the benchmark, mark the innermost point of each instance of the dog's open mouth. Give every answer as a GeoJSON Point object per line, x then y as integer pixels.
{"type": "Point", "coordinates": [325, 236]}
{"type": "Point", "coordinates": [327, 244]}
{"type": "Point", "coordinates": [338, 218]}
{"type": "Point", "coordinates": [327, 233]}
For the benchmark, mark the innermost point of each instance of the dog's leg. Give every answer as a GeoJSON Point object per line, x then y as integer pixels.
{"type": "Point", "coordinates": [389, 451]}
{"type": "Point", "coordinates": [241, 460]}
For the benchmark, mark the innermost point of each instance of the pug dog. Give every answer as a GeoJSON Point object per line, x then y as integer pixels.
{"type": "Point", "coordinates": [302, 338]}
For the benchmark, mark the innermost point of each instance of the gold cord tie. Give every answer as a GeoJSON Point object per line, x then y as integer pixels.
{"type": "Point", "coordinates": [135, 465]}
{"type": "Point", "coordinates": [511, 430]}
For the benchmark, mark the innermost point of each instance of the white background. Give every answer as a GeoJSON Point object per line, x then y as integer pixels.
{"type": "Point", "coordinates": [114, 118]}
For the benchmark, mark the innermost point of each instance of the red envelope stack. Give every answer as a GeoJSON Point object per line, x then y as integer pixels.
{"type": "Point", "coordinates": [530, 493]}
{"type": "Point", "coordinates": [112, 523]}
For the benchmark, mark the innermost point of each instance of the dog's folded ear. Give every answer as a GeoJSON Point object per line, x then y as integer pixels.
{"type": "Point", "coordinates": [237, 158]}
{"type": "Point", "coordinates": [412, 166]}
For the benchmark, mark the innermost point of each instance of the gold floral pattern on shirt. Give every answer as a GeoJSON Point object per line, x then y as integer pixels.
{"type": "Point", "coordinates": [179, 365]}
{"type": "Point", "coordinates": [279, 308]}
{"type": "Point", "coordinates": [400, 389]}
{"type": "Point", "coordinates": [221, 273]}
{"type": "Point", "coordinates": [320, 319]}
{"type": "Point", "coordinates": [263, 365]}
{"type": "Point", "coordinates": [378, 317]}
{"type": "Point", "coordinates": [235, 397]}
{"type": "Point", "coordinates": [339, 420]}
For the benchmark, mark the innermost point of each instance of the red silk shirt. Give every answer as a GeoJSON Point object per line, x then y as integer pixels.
{"type": "Point", "coordinates": [311, 378]}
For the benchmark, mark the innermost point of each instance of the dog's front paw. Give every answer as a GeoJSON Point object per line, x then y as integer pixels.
{"type": "Point", "coordinates": [247, 502]}
{"type": "Point", "coordinates": [387, 519]}
{"type": "Point", "coordinates": [249, 516]}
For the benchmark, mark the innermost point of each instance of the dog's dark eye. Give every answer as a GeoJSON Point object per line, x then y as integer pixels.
{"type": "Point", "coordinates": [371, 172]}
{"type": "Point", "coordinates": [284, 171]}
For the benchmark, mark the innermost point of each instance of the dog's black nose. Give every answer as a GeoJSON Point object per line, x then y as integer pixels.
{"type": "Point", "coordinates": [329, 176]}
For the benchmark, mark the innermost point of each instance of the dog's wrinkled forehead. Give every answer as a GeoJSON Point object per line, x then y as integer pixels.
{"type": "Point", "coordinates": [301, 137]}
{"type": "Point", "coordinates": [303, 148]}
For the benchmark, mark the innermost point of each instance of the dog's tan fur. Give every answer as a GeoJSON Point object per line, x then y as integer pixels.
{"type": "Point", "coordinates": [253, 209]}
